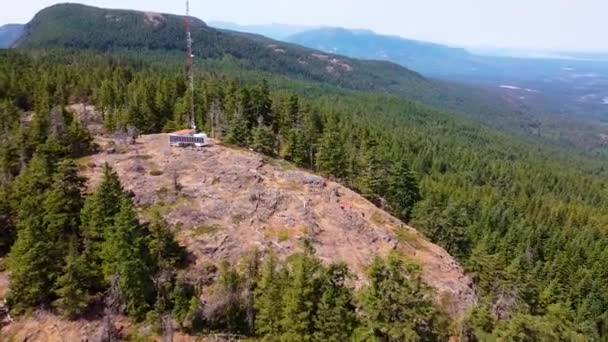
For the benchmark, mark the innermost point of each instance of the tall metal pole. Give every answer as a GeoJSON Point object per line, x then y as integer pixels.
{"type": "Point", "coordinates": [190, 66]}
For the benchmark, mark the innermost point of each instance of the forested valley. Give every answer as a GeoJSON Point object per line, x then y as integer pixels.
{"type": "Point", "coordinates": [528, 221]}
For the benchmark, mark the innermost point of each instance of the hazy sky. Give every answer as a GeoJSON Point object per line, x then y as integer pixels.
{"type": "Point", "coordinates": [532, 24]}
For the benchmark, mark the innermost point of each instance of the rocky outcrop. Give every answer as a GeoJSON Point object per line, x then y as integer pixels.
{"type": "Point", "coordinates": [227, 201]}
{"type": "Point", "coordinates": [223, 202]}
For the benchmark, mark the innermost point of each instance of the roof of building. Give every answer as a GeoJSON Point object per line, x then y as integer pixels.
{"type": "Point", "coordinates": [184, 132]}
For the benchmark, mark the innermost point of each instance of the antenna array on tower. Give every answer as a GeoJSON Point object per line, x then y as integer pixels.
{"type": "Point", "coordinates": [190, 65]}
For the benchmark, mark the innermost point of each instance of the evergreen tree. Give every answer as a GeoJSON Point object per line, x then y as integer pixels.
{"type": "Point", "coordinates": [41, 122]}
{"type": "Point", "coordinates": [445, 225]}
{"type": "Point", "coordinates": [125, 255]}
{"type": "Point", "coordinates": [231, 316]}
{"type": "Point", "coordinates": [372, 174]}
{"type": "Point", "coordinates": [31, 264]}
{"type": "Point", "coordinates": [396, 305]}
{"type": "Point", "coordinates": [106, 96]}
{"type": "Point", "coordinates": [296, 147]}
{"type": "Point", "coordinates": [237, 132]}
{"type": "Point", "coordinates": [70, 285]}
{"type": "Point", "coordinates": [184, 302]}
{"type": "Point", "coordinates": [32, 273]}
{"type": "Point", "coordinates": [402, 190]}
{"type": "Point", "coordinates": [262, 104]}
{"type": "Point", "coordinates": [335, 317]}
{"type": "Point", "coordinates": [263, 140]}
{"type": "Point", "coordinates": [98, 217]}
{"type": "Point", "coordinates": [7, 224]}
{"type": "Point", "coordinates": [330, 156]}
{"type": "Point", "coordinates": [250, 282]}
{"type": "Point", "coordinates": [9, 149]}
{"type": "Point", "coordinates": [268, 303]}
{"type": "Point", "coordinates": [297, 322]}
{"type": "Point", "coordinates": [63, 203]}
{"type": "Point", "coordinates": [557, 325]}
{"type": "Point", "coordinates": [79, 140]}
{"type": "Point", "coordinates": [165, 251]}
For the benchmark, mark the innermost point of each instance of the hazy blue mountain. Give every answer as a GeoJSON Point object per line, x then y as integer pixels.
{"type": "Point", "coordinates": [274, 31]}
{"type": "Point", "coordinates": [565, 83]}
{"type": "Point", "coordinates": [539, 54]}
{"type": "Point", "coordinates": [9, 34]}
{"type": "Point", "coordinates": [427, 58]}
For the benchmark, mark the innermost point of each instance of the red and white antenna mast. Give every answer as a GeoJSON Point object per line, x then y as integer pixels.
{"type": "Point", "coordinates": [190, 66]}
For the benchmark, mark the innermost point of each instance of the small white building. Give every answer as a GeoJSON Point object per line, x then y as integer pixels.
{"type": "Point", "coordinates": [188, 137]}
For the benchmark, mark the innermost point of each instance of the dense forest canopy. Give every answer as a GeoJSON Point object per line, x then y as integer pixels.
{"type": "Point", "coordinates": [528, 221]}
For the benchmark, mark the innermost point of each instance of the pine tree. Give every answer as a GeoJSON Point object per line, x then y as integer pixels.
{"type": "Point", "coordinates": [7, 221]}
{"type": "Point", "coordinates": [165, 251]}
{"type": "Point", "coordinates": [70, 285]}
{"type": "Point", "coordinates": [296, 147]}
{"type": "Point", "coordinates": [297, 320]}
{"type": "Point", "coordinates": [45, 219]}
{"type": "Point", "coordinates": [402, 190]}
{"type": "Point", "coordinates": [182, 298]}
{"type": "Point", "coordinates": [397, 307]}
{"type": "Point", "coordinates": [39, 130]}
{"type": "Point", "coordinates": [262, 104]}
{"type": "Point", "coordinates": [63, 203]}
{"type": "Point", "coordinates": [263, 140]}
{"type": "Point", "coordinates": [31, 272]}
{"type": "Point", "coordinates": [232, 313]}
{"type": "Point", "coordinates": [335, 317]}
{"type": "Point", "coordinates": [330, 156]}
{"type": "Point", "coordinates": [372, 175]}
{"type": "Point", "coordinates": [290, 115]}
{"type": "Point", "coordinates": [79, 140]}
{"type": "Point", "coordinates": [268, 303]}
{"type": "Point", "coordinates": [98, 217]}
{"type": "Point", "coordinates": [106, 96]}
{"type": "Point", "coordinates": [61, 206]}
{"type": "Point", "coordinates": [30, 185]}
{"type": "Point", "coordinates": [237, 132]}
{"type": "Point", "coordinates": [125, 255]}
{"type": "Point", "coordinates": [250, 282]}
{"type": "Point", "coordinates": [9, 149]}
{"type": "Point", "coordinates": [31, 262]}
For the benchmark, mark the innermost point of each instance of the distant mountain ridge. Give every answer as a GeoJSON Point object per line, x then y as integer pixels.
{"type": "Point", "coordinates": [9, 34]}
{"type": "Point", "coordinates": [427, 58]}
{"type": "Point", "coordinates": [274, 30]}
{"type": "Point", "coordinates": [85, 27]}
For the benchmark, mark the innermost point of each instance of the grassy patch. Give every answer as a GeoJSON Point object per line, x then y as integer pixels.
{"type": "Point", "coordinates": [135, 337]}
{"type": "Point", "coordinates": [85, 163]}
{"type": "Point", "coordinates": [156, 172]}
{"type": "Point", "coordinates": [164, 208]}
{"type": "Point", "coordinates": [408, 236]}
{"type": "Point", "coordinates": [378, 218]}
{"type": "Point", "coordinates": [142, 157]}
{"type": "Point", "coordinates": [281, 234]}
{"type": "Point", "coordinates": [280, 163]}
{"type": "Point", "coordinates": [206, 230]}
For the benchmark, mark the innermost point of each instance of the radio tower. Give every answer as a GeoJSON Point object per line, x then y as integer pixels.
{"type": "Point", "coordinates": [190, 66]}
